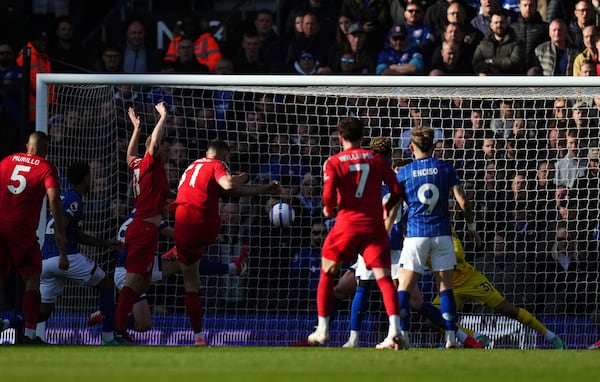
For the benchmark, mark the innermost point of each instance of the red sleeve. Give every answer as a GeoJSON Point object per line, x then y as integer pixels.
{"type": "Point", "coordinates": [220, 170]}
{"type": "Point", "coordinates": [51, 179]}
{"type": "Point", "coordinates": [330, 182]}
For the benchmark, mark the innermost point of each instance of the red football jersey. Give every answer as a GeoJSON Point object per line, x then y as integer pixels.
{"type": "Point", "coordinates": [352, 180]}
{"type": "Point", "coordinates": [24, 179]}
{"type": "Point", "coordinates": [199, 187]}
{"type": "Point", "coordinates": [150, 186]}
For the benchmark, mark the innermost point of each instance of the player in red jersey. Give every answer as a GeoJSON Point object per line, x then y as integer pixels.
{"type": "Point", "coordinates": [151, 188]}
{"type": "Point", "coordinates": [25, 179]}
{"type": "Point", "coordinates": [352, 180]}
{"type": "Point", "coordinates": [197, 220]}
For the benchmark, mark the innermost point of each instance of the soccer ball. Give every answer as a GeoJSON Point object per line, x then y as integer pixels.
{"type": "Point", "coordinates": [282, 215]}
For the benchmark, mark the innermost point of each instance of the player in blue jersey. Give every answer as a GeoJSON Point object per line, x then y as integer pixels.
{"type": "Point", "coordinates": [427, 184]}
{"type": "Point", "coordinates": [80, 269]}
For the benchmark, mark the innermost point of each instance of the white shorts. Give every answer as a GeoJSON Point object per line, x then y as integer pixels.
{"type": "Point", "coordinates": [120, 273]}
{"type": "Point", "coordinates": [82, 270]}
{"type": "Point", "coordinates": [439, 249]}
{"type": "Point", "coordinates": [362, 273]}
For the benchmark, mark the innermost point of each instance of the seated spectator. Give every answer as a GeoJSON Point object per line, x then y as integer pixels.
{"type": "Point", "coordinates": [186, 60]}
{"type": "Point", "coordinates": [590, 39]}
{"type": "Point", "coordinates": [452, 60]}
{"type": "Point", "coordinates": [312, 40]}
{"type": "Point", "coordinates": [458, 13]}
{"type": "Point", "coordinates": [436, 13]}
{"type": "Point", "coordinates": [574, 164]}
{"type": "Point", "coordinates": [500, 52]}
{"type": "Point", "coordinates": [110, 60]}
{"type": "Point", "coordinates": [374, 17]}
{"type": "Point", "coordinates": [270, 44]}
{"type": "Point", "coordinates": [364, 55]}
{"type": "Point", "coordinates": [487, 9]}
{"type": "Point", "coordinates": [66, 54]}
{"type": "Point", "coordinates": [206, 47]}
{"type": "Point", "coordinates": [248, 59]}
{"type": "Point", "coordinates": [401, 56]}
{"type": "Point", "coordinates": [588, 68]}
{"type": "Point", "coordinates": [555, 57]}
{"type": "Point", "coordinates": [138, 56]}
{"type": "Point", "coordinates": [306, 64]}
{"type": "Point", "coordinates": [585, 15]}
{"type": "Point", "coordinates": [530, 28]}
{"type": "Point", "coordinates": [347, 64]}
{"type": "Point", "coordinates": [422, 35]}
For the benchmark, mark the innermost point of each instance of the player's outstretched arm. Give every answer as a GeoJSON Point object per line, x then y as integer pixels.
{"type": "Point", "coordinates": [158, 133]}
{"type": "Point", "coordinates": [93, 241]}
{"type": "Point", "coordinates": [463, 202]}
{"type": "Point", "coordinates": [132, 147]}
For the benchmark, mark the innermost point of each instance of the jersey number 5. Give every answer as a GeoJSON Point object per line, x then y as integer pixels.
{"type": "Point", "coordinates": [18, 177]}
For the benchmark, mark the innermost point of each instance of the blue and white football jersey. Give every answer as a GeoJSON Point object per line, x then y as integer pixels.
{"type": "Point", "coordinates": [73, 211]}
{"type": "Point", "coordinates": [427, 183]}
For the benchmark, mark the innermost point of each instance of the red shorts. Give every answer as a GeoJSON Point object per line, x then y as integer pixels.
{"type": "Point", "coordinates": [191, 237]}
{"type": "Point", "coordinates": [19, 248]}
{"type": "Point", "coordinates": [141, 242]}
{"type": "Point", "coordinates": [343, 245]}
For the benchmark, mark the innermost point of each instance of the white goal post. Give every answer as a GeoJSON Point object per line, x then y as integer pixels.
{"type": "Point", "coordinates": [542, 238]}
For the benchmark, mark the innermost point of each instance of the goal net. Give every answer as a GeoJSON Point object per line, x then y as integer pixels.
{"type": "Point", "coordinates": [526, 151]}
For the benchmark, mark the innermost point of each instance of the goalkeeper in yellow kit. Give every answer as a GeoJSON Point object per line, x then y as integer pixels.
{"type": "Point", "coordinates": [470, 284]}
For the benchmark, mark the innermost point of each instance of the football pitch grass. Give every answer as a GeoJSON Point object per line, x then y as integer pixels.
{"type": "Point", "coordinates": [241, 364]}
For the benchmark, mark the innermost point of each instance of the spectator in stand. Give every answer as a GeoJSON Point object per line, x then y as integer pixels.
{"type": "Point", "coordinates": [422, 35]}
{"type": "Point", "coordinates": [110, 61]}
{"type": "Point", "coordinates": [560, 9]}
{"type": "Point", "coordinates": [306, 64]}
{"type": "Point", "coordinates": [401, 56]}
{"type": "Point", "coordinates": [590, 40]}
{"type": "Point", "coordinates": [487, 10]}
{"type": "Point", "coordinates": [530, 28]}
{"type": "Point", "coordinates": [138, 56]}
{"type": "Point", "coordinates": [347, 64]}
{"type": "Point", "coordinates": [341, 32]}
{"type": "Point", "coordinates": [364, 55]}
{"type": "Point", "coordinates": [452, 60]}
{"type": "Point", "coordinates": [585, 15]}
{"type": "Point", "coordinates": [436, 14]}
{"type": "Point", "coordinates": [206, 47]}
{"type": "Point", "coordinates": [325, 11]}
{"type": "Point", "coordinates": [588, 68]}
{"type": "Point", "coordinates": [40, 63]}
{"type": "Point", "coordinates": [555, 57]}
{"type": "Point", "coordinates": [500, 52]}
{"type": "Point", "coordinates": [312, 40]}
{"type": "Point", "coordinates": [249, 59]}
{"type": "Point", "coordinates": [374, 16]}
{"type": "Point", "coordinates": [270, 44]}
{"type": "Point", "coordinates": [574, 164]}
{"type": "Point", "coordinates": [186, 60]}
{"type": "Point", "coordinates": [457, 13]}
{"type": "Point", "coordinates": [66, 54]}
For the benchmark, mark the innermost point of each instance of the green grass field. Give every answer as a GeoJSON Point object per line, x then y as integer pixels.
{"type": "Point", "coordinates": [176, 364]}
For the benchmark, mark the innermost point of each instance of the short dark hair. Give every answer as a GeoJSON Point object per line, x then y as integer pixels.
{"type": "Point", "coordinates": [351, 129]}
{"type": "Point", "coordinates": [219, 145]}
{"type": "Point", "coordinates": [77, 172]}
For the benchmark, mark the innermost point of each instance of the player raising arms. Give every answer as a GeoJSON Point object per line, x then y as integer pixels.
{"type": "Point", "coordinates": [352, 180]}
{"type": "Point", "coordinates": [25, 179]}
{"type": "Point", "coordinates": [151, 188]}
{"type": "Point", "coordinates": [81, 270]}
{"type": "Point", "coordinates": [197, 220]}
{"type": "Point", "coordinates": [427, 183]}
